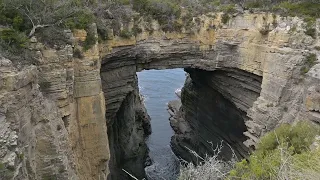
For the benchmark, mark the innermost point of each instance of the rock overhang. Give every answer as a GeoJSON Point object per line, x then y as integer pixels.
{"type": "Point", "coordinates": [275, 56]}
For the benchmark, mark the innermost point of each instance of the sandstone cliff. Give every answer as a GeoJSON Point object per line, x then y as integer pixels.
{"type": "Point", "coordinates": [86, 121]}
{"type": "Point", "coordinates": [246, 77]}
{"type": "Point", "coordinates": [53, 115]}
{"type": "Point", "coordinates": [34, 141]}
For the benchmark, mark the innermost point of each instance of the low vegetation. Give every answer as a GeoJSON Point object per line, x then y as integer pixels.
{"type": "Point", "coordinates": [284, 153]}
{"type": "Point", "coordinates": [299, 8]}
{"type": "Point", "coordinates": [90, 41]}
{"type": "Point", "coordinates": [6, 173]}
{"type": "Point", "coordinates": [210, 168]}
{"type": "Point", "coordinates": [22, 19]}
{"type": "Point", "coordinates": [310, 61]}
{"type": "Point", "coordinates": [125, 34]}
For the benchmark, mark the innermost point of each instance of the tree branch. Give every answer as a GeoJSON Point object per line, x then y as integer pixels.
{"type": "Point", "coordinates": [34, 28]}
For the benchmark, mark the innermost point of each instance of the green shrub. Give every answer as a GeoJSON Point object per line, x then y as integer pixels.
{"type": "Point", "coordinates": [310, 26]}
{"type": "Point", "coordinates": [125, 34]}
{"type": "Point", "coordinates": [254, 4]}
{"type": "Point", "coordinates": [274, 20]}
{"type": "Point", "coordinates": [13, 39]}
{"type": "Point", "coordinates": [80, 20]}
{"type": "Point", "coordinates": [11, 18]}
{"type": "Point", "coordinates": [124, 2]}
{"type": "Point", "coordinates": [311, 32]}
{"type": "Point", "coordinates": [308, 9]}
{"type": "Point", "coordinates": [225, 18]}
{"type": "Point", "coordinates": [177, 26]}
{"type": "Point", "coordinates": [53, 36]}
{"type": "Point", "coordinates": [310, 61]}
{"type": "Point", "coordinates": [90, 41]}
{"type": "Point", "coordinates": [293, 29]}
{"type": "Point", "coordinates": [21, 156]}
{"type": "Point", "coordinates": [77, 53]}
{"type": "Point", "coordinates": [164, 11]}
{"type": "Point", "coordinates": [229, 9]}
{"type": "Point", "coordinates": [103, 34]}
{"type": "Point", "coordinates": [304, 70]}
{"type": "Point", "coordinates": [286, 147]}
{"type": "Point", "coordinates": [50, 20]}
{"type": "Point", "coordinates": [136, 30]}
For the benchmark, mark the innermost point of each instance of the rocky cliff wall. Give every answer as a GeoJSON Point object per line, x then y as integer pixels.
{"type": "Point", "coordinates": [57, 108]}
{"type": "Point", "coordinates": [255, 60]}
{"type": "Point", "coordinates": [34, 140]}
{"type": "Point", "coordinates": [74, 83]}
{"type": "Point", "coordinates": [128, 127]}
{"type": "Point", "coordinates": [213, 111]}
{"type": "Point", "coordinates": [89, 100]}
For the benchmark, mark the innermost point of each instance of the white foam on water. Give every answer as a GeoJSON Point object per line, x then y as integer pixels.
{"type": "Point", "coordinates": [178, 92]}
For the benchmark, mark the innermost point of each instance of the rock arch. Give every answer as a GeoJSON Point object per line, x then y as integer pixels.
{"type": "Point", "coordinates": [257, 73]}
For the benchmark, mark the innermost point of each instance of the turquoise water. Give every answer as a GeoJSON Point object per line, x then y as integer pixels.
{"type": "Point", "coordinates": [158, 88]}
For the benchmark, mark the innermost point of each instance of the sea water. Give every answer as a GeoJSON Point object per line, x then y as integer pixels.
{"type": "Point", "coordinates": [158, 87]}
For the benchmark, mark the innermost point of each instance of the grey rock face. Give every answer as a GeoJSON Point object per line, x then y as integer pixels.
{"type": "Point", "coordinates": [127, 130]}
{"type": "Point", "coordinates": [33, 141]}
{"type": "Point", "coordinates": [243, 83]}
{"type": "Point", "coordinates": [214, 106]}
{"type": "Point", "coordinates": [256, 75]}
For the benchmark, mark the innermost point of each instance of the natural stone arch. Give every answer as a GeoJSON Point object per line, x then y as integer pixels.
{"type": "Point", "coordinates": [273, 60]}
{"type": "Point", "coordinates": [74, 125]}
{"type": "Point", "coordinates": [118, 74]}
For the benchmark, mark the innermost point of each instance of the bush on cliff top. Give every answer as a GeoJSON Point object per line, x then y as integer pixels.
{"type": "Point", "coordinates": [282, 154]}
{"type": "Point", "coordinates": [22, 19]}
{"type": "Point", "coordinates": [166, 12]}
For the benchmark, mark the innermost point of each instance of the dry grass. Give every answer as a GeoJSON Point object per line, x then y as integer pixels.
{"type": "Point", "coordinates": [210, 168]}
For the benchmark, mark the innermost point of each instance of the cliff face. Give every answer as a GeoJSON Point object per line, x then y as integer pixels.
{"type": "Point", "coordinates": [75, 85]}
{"type": "Point", "coordinates": [34, 141]}
{"type": "Point", "coordinates": [58, 130]}
{"type": "Point", "coordinates": [88, 122]}
{"type": "Point", "coordinates": [128, 126]}
{"type": "Point", "coordinates": [245, 77]}
{"type": "Point", "coordinates": [214, 106]}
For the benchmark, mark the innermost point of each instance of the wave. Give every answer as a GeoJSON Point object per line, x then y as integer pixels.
{"type": "Point", "coordinates": [178, 92]}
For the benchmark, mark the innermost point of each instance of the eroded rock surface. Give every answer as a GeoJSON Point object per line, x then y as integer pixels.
{"type": "Point", "coordinates": [64, 128]}
{"type": "Point", "coordinates": [214, 106]}
{"type": "Point", "coordinates": [258, 75]}
{"type": "Point", "coordinates": [57, 109]}
{"type": "Point", "coordinates": [34, 141]}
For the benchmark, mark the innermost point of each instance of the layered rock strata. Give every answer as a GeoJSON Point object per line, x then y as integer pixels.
{"type": "Point", "coordinates": [127, 128]}
{"type": "Point", "coordinates": [86, 101]}
{"type": "Point", "coordinates": [34, 140]}
{"type": "Point", "coordinates": [214, 106]}
{"type": "Point", "coordinates": [68, 115]}
{"type": "Point", "coordinates": [255, 61]}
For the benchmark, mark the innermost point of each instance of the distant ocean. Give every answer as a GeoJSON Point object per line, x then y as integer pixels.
{"type": "Point", "coordinates": [158, 88]}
